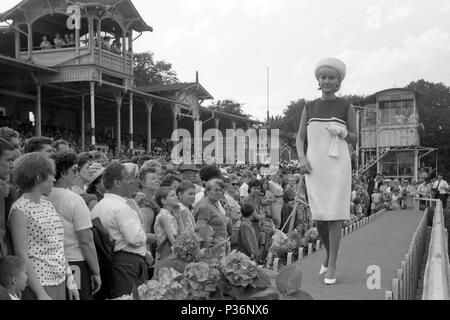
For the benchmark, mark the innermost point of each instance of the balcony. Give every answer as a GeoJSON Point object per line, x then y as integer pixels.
{"type": "Point", "coordinates": [62, 57]}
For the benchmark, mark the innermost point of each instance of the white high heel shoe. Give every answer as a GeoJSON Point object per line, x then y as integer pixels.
{"type": "Point", "coordinates": [330, 281]}
{"type": "Point", "coordinates": [323, 270]}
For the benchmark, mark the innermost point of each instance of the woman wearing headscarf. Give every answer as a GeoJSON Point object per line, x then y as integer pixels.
{"type": "Point", "coordinates": [329, 124]}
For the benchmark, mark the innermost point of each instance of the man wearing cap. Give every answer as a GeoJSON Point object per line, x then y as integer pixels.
{"type": "Point", "coordinates": [191, 173]}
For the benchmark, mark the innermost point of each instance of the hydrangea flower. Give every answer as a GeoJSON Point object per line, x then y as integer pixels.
{"type": "Point", "coordinates": [187, 246]}
{"type": "Point", "coordinates": [238, 269]}
{"type": "Point", "coordinates": [167, 288]}
{"type": "Point", "coordinates": [201, 279]}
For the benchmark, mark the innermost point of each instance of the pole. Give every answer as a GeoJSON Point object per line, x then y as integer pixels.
{"type": "Point", "coordinates": [92, 87]}
{"type": "Point", "coordinates": [38, 118]}
{"type": "Point", "coordinates": [437, 163]}
{"type": "Point", "coordinates": [268, 114]}
{"type": "Point", "coordinates": [131, 123]}
{"type": "Point", "coordinates": [83, 138]}
{"type": "Point", "coordinates": [377, 137]}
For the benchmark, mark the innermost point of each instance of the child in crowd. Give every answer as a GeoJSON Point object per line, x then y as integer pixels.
{"type": "Point", "coordinates": [166, 226]}
{"type": "Point", "coordinates": [377, 201]}
{"type": "Point", "coordinates": [13, 276]}
{"type": "Point", "coordinates": [247, 241]}
{"type": "Point", "coordinates": [270, 236]}
{"type": "Point", "coordinates": [184, 215]}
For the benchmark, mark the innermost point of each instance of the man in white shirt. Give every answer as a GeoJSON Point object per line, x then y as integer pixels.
{"type": "Point", "coordinates": [130, 259]}
{"type": "Point", "coordinates": [441, 187]}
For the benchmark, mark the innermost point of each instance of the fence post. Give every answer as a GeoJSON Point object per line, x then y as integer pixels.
{"type": "Point", "coordinates": [405, 279]}
{"type": "Point", "coordinates": [300, 253]}
{"type": "Point", "coordinates": [289, 258]}
{"type": "Point", "coordinates": [388, 295]}
{"type": "Point", "coordinates": [400, 284]}
{"type": "Point", "coordinates": [394, 289]}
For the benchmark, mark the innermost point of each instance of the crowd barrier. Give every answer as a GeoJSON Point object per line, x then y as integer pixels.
{"type": "Point", "coordinates": [314, 247]}
{"type": "Point", "coordinates": [404, 286]}
{"type": "Point", "coordinates": [436, 277]}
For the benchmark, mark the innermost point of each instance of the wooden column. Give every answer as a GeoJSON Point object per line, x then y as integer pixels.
{"type": "Point", "coordinates": [91, 37]}
{"type": "Point", "coordinates": [17, 42]}
{"type": "Point", "coordinates": [131, 122]}
{"type": "Point", "coordinates": [118, 98]}
{"type": "Point", "coordinates": [149, 107]}
{"type": "Point", "coordinates": [83, 129]}
{"type": "Point", "coordinates": [30, 39]}
{"type": "Point", "coordinates": [38, 118]}
{"type": "Point", "coordinates": [92, 92]}
{"type": "Point", "coordinates": [124, 42]}
{"type": "Point", "coordinates": [175, 117]}
{"type": "Point", "coordinates": [77, 43]}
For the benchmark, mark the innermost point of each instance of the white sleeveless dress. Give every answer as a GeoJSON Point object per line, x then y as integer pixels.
{"type": "Point", "coordinates": [329, 184]}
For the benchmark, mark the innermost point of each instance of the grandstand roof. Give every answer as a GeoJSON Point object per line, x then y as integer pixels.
{"type": "Point", "coordinates": [126, 7]}
{"type": "Point", "coordinates": [159, 88]}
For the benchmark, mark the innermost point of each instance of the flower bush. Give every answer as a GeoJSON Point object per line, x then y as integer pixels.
{"type": "Point", "coordinates": [187, 246]}
{"type": "Point", "coordinates": [238, 269]}
{"type": "Point", "coordinates": [201, 279]}
{"type": "Point", "coordinates": [312, 235]}
{"type": "Point", "coordinates": [168, 287]}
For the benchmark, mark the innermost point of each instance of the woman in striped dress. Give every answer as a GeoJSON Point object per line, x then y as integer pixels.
{"type": "Point", "coordinates": [329, 124]}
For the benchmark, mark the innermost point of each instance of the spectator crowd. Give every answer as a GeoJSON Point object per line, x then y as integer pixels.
{"type": "Point", "coordinates": [87, 226]}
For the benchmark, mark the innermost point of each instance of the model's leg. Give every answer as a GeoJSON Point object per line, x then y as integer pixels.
{"type": "Point", "coordinates": [322, 228]}
{"type": "Point", "coordinates": [334, 242]}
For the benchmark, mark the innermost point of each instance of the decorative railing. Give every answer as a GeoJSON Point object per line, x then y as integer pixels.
{"type": "Point", "coordinates": [112, 61]}
{"type": "Point", "coordinates": [405, 285]}
{"type": "Point", "coordinates": [436, 276]}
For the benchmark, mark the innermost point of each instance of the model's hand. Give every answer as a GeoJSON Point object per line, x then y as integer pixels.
{"type": "Point", "coordinates": [334, 130]}
{"type": "Point", "coordinates": [305, 167]}
{"type": "Point", "coordinates": [96, 283]}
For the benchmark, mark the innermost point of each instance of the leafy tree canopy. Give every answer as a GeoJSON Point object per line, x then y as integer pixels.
{"type": "Point", "coordinates": [147, 71]}
{"type": "Point", "coordinates": [229, 106]}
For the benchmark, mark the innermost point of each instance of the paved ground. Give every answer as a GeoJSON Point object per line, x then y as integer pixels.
{"type": "Point", "coordinates": [382, 242]}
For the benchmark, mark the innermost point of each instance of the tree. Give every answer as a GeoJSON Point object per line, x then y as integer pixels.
{"type": "Point", "coordinates": [229, 106]}
{"type": "Point", "coordinates": [147, 71]}
{"type": "Point", "coordinates": [434, 115]}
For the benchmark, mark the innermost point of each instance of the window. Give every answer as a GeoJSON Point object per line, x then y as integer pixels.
{"type": "Point", "coordinates": [397, 112]}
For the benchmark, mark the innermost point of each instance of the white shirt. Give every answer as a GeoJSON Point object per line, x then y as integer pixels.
{"type": "Point", "coordinates": [122, 223]}
{"type": "Point", "coordinates": [13, 296]}
{"type": "Point", "coordinates": [243, 190]}
{"type": "Point", "coordinates": [442, 186]}
{"type": "Point", "coordinates": [75, 216]}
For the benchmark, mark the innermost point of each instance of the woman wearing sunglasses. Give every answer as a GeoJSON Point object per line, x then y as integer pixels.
{"type": "Point", "coordinates": [75, 215]}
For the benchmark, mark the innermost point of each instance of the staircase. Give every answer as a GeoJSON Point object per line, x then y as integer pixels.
{"type": "Point", "coordinates": [372, 161]}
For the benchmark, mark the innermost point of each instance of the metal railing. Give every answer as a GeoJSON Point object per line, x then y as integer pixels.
{"type": "Point", "coordinates": [404, 286]}
{"type": "Point", "coordinates": [436, 276]}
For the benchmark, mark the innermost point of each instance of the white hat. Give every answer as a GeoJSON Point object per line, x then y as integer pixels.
{"type": "Point", "coordinates": [334, 63]}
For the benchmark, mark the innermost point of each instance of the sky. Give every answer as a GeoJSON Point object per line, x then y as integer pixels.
{"type": "Point", "coordinates": [231, 43]}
